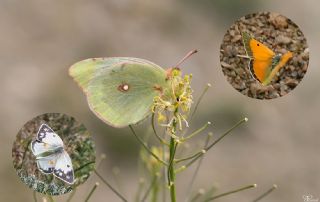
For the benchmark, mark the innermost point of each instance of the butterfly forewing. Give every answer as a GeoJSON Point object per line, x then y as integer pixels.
{"type": "Point", "coordinates": [123, 95]}
{"type": "Point", "coordinates": [48, 136]}
{"type": "Point", "coordinates": [84, 71]}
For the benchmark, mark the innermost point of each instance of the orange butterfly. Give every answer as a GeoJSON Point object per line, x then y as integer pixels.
{"type": "Point", "coordinates": [264, 63]}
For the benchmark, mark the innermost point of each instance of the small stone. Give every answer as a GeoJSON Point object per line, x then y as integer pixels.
{"type": "Point", "coordinates": [283, 39]}
{"type": "Point", "coordinates": [278, 20]}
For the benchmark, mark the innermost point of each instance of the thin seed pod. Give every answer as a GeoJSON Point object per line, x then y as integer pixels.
{"type": "Point", "coordinates": [189, 189]}
{"type": "Point", "coordinates": [110, 186]}
{"type": "Point", "coordinates": [231, 192]}
{"type": "Point", "coordinates": [199, 100]}
{"type": "Point", "coordinates": [154, 181]}
{"type": "Point", "coordinates": [198, 131]}
{"type": "Point", "coordinates": [34, 194]}
{"type": "Point", "coordinates": [197, 155]}
{"type": "Point", "coordinates": [146, 147]}
{"type": "Point", "coordinates": [266, 193]}
{"type": "Point", "coordinates": [72, 194]}
{"type": "Point", "coordinates": [155, 131]}
{"type": "Point", "coordinates": [92, 191]}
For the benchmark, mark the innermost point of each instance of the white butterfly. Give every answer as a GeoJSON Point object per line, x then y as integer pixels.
{"type": "Point", "coordinates": [50, 155]}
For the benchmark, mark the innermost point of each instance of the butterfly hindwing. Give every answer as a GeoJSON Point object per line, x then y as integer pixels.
{"type": "Point", "coordinates": [38, 148]}
{"type": "Point", "coordinates": [46, 164]}
{"type": "Point", "coordinates": [63, 168]}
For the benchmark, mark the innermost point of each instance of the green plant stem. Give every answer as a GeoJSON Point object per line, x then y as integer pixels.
{"type": "Point", "coordinates": [230, 192]}
{"type": "Point", "coordinates": [115, 174]}
{"type": "Point", "coordinates": [189, 189]}
{"type": "Point", "coordinates": [171, 172]}
{"type": "Point", "coordinates": [153, 183]}
{"type": "Point", "coordinates": [266, 193]}
{"type": "Point", "coordinates": [50, 198]}
{"type": "Point", "coordinates": [196, 132]}
{"type": "Point", "coordinates": [92, 191]}
{"type": "Point", "coordinates": [199, 100]}
{"type": "Point", "coordinates": [155, 131]}
{"type": "Point", "coordinates": [34, 196]}
{"type": "Point", "coordinates": [196, 196]}
{"type": "Point", "coordinates": [146, 147]}
{"type": "Point", "coordinates": [109, 185]}
{"type": "Point", "coordinates": [138, 193]}
{"type": "Point", "coordinates": [197, 155]}
{"type": "Point", "coordinates": [226, 133]}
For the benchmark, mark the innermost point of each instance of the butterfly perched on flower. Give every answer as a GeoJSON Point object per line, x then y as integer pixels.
{"type": "Point", "coordinates": [264, 63]}
{"type": "Point", "coordinates": [51, 157]}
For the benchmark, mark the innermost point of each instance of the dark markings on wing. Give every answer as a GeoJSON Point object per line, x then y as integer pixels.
{"type": "Point", "coordinates": [66, 177]}
{"type": "Point", "coordinates": [124, 87]}
{"type": "Point", "coordinates": [275, 61]}
{"type": "Point", "coordinates": [42, 132]}
{"type": "Point", "coordinates": [252, 70]}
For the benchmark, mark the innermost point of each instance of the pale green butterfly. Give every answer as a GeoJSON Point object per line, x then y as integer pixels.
{"type": "Point", "coordinates": [120, 90]}
{"type": "Point", "coordinates": [50, 155]}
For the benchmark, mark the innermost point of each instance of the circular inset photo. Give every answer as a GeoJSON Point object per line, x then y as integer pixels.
{"type": "Point", "coordinates": [264, 55]}
{"type": "Point", "coordinates": [53, 153]}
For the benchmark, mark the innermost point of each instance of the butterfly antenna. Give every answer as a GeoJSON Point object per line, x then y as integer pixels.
{"type": "Point", "coordinates": [185, 57]}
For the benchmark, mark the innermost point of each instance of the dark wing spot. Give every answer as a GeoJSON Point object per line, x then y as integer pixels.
{"type": "Point", "coordinates": [258, 44]}
{"type": "Point", "coordinates": [158, 88]}
{"type": "Point", "coordinates": [124, 87]}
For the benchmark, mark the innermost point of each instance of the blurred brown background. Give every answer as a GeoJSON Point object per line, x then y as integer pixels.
{"type": "Point", "coordinates": [41, 39]}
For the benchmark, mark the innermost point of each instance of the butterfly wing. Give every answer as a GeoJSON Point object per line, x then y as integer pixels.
{"type": "Point", "coordinates": [84, 71]}
{"type": "Point", "coordinates": [277, 66]}
{"type": "Point", "coordinates": [47, 135]}
{"type": "Point", "coordinates": [121, 90]}
{"type": "Point", "coordinates": [261, 56]}
{"type": "Point", "coordinates": [47, 141]}
{"type": "Point", "coordinates": [46, 164]}
{"type": "Point", "coordinates": [63, 168]}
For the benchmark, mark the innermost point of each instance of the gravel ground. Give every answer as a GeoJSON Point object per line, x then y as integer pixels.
{"type": "Point", "coordinates": [281, 35]}
{"type": "Point", "coordinates": [77, 142]}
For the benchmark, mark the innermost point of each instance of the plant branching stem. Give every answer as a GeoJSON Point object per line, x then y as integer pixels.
{"type": "Point", "coordinates": [154, 180]}
{"type": "Point", "coordinates": [155, 131]}
{"type": "Point", "coordinates": [266, 193]}
{"type": "Point", "coordinates": [196, 132]}
{"type": "Point", "coordinates": [92, 191]}
{"type": "Point", "coordinates": [171, 171]}
{"type": "Point", "coordinates": [197, 155]}
{"type": "Point", "coordinates": [146, 147]}
{"type": "Point", "coordinates": [197, 169]}
{"type": "Point", "coordinates": [34, 196]}
{"type": "Point", "coordinates": [199, 100]}
{"type": "Point", "coordinates": [50, 198]}
{"type": "Point", "coordinates": [230, 192]}
{"type": "Point", "coordinates": [110, 186]}
{"type": "Point", "coordinates": [72, 194]}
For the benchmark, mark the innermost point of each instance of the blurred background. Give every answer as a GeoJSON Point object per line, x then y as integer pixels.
{"type": "Point", "coordinates": [40, 40]}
